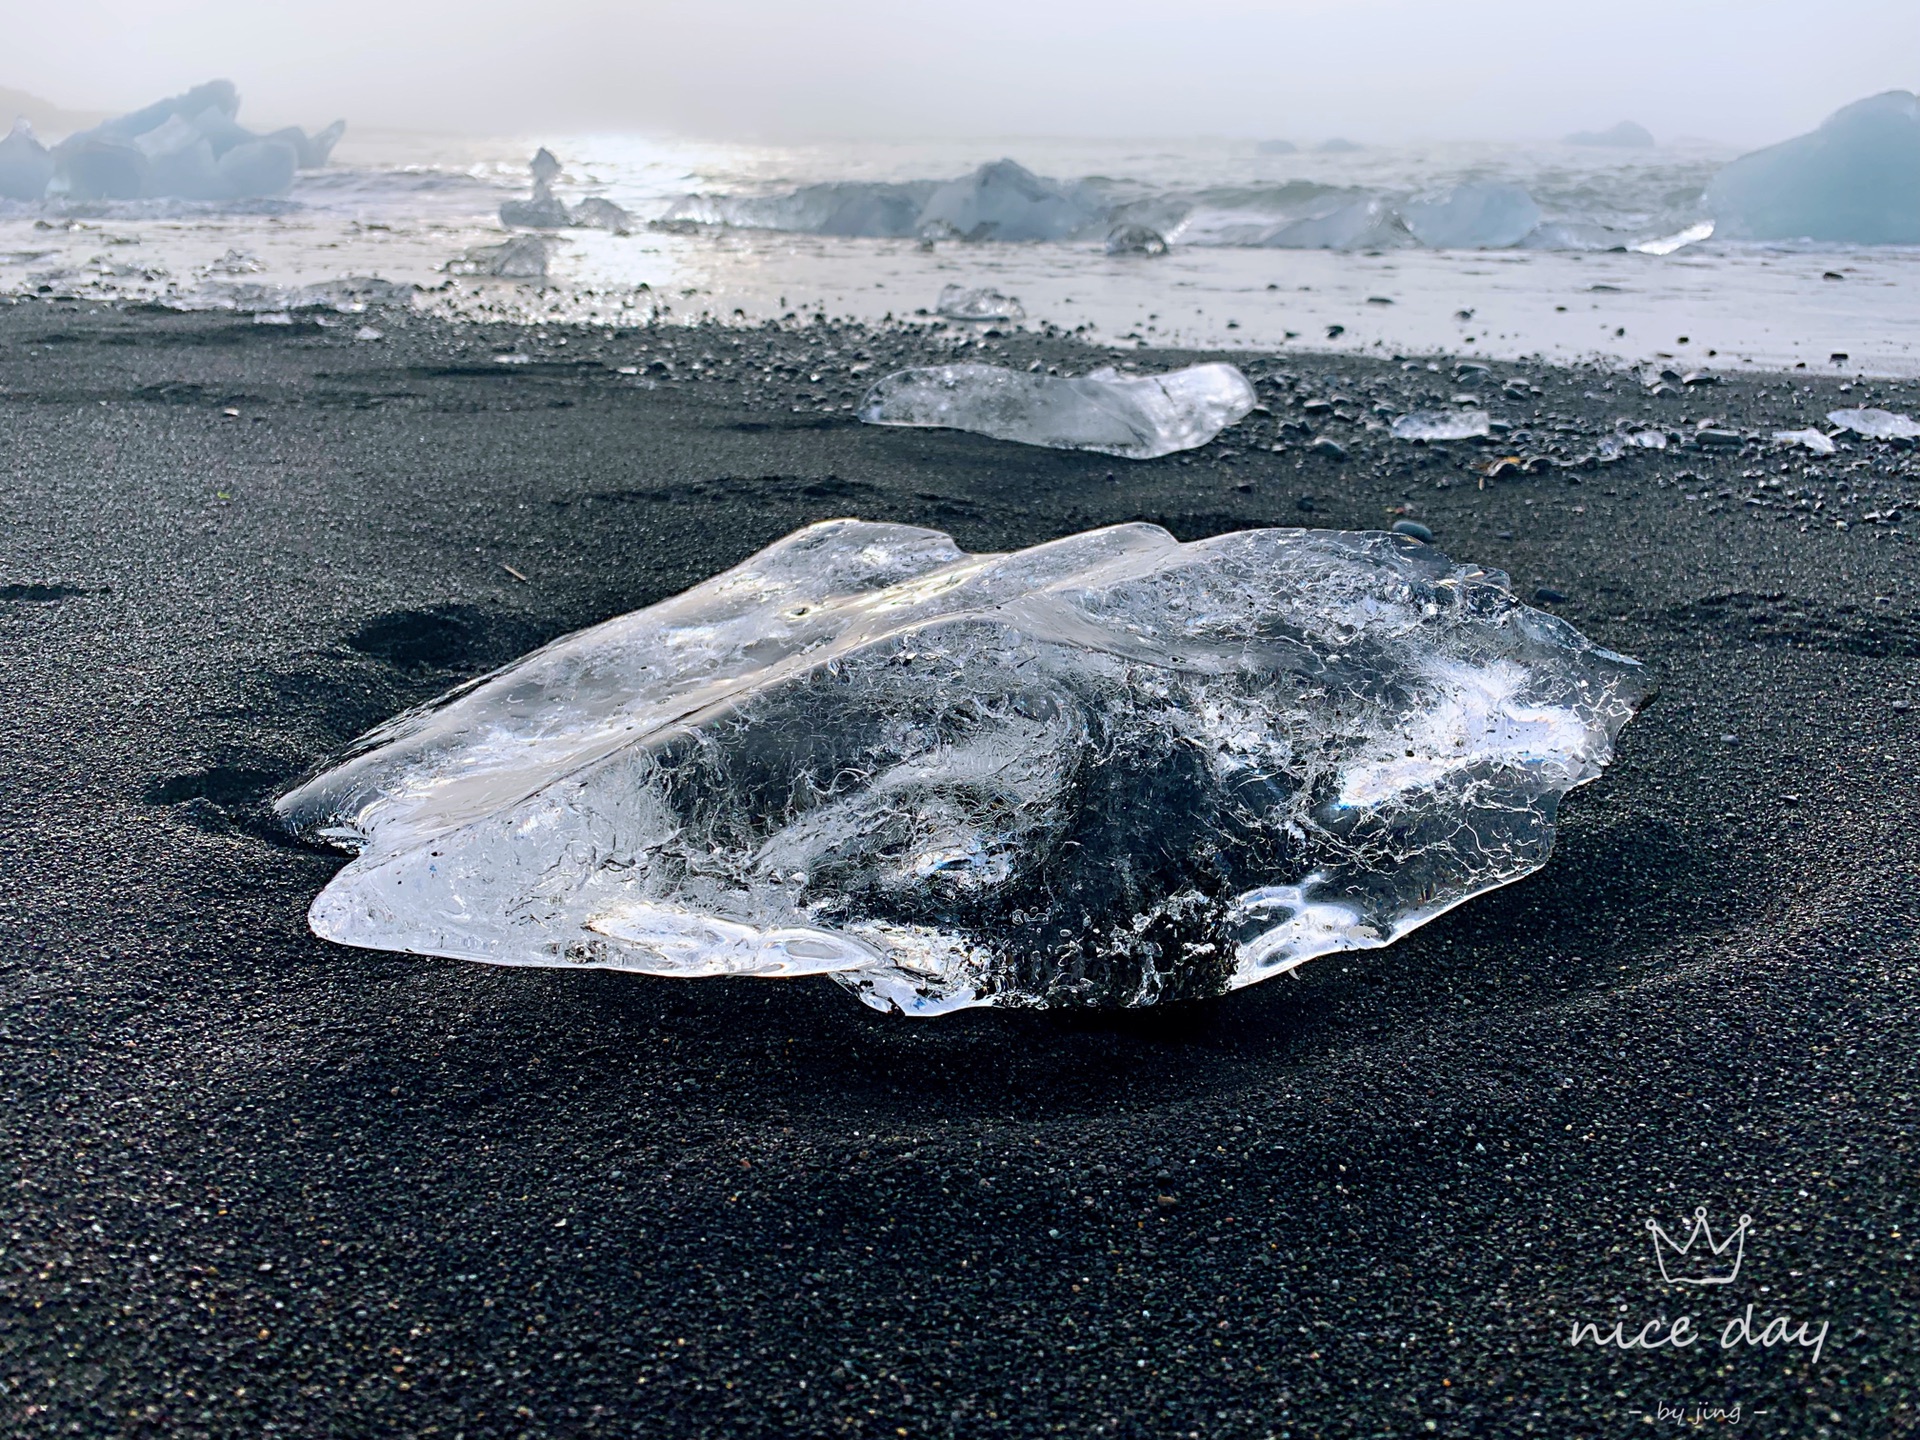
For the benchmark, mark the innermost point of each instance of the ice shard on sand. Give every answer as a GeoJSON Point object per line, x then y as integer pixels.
{"type": "Point", "coordinates": [1113, 769]}
{"type": "Point", "coordinates": [1137, 417]}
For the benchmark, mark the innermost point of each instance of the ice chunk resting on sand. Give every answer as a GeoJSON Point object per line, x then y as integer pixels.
{"type": "Point", "coordinates": [1135, 417]}
{"type": "Point", "coordinates": [1442, 425]}
{"type": "Point", "coordinates": [1818, 441]}
{"type": "Point", "coordinates": [958, 302]}
{"type": "Point", "coordinates": [1109, 770]}
{"type": "Point", "coordinates": [1875, 424]}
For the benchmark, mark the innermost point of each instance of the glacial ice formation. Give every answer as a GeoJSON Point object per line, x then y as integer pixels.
{"type": "Point", "coordinates": [1007, 201]}
{"type": "Point", "coordinates": [1473, 217]}
{"type": "Point", "coordinates": [960, 302]}
{"type": "Point", "coordinates": [1135, 417]}
{"type": "Point", "coordinates": [1854, 180]}
{"type": "Point", "coordinates": [1624, 136]}
{"type": "Point", "coordinates": [26, 166]}
{"type": "Point", "coordinates": [1110, 770]}
{"type": "Point", "coordinates": [1871, 424]}
{"type": "Point", "coordinates": [544, 210]}
{"type": "Point", "coordinates": [189, 147]}
{"type": "Point", "coordinates": [1435, 425]}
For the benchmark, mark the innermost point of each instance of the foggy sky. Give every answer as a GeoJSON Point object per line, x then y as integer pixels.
{"type": "Point", "coordinates": [1740, 71]}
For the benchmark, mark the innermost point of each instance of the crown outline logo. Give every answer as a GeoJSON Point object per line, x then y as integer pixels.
{"type": "Point", "coordinates": [1709, 1266]}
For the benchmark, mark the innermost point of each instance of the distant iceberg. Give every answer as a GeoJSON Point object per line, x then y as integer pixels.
{"type": "Point", "coordinates": [1855, 180]}
{"type": "Point", "coordinates": [189, 147]}
{"type": "Point", "coordinates": [1624, 136]}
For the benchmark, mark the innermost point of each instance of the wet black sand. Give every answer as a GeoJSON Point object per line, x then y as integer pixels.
{"type": "Point", "coordinates": [256, 1185]}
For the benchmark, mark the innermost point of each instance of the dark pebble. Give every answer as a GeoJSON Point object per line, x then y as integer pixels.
{"type": "Point", "coordinates": [1547, 595]}
{"type": "Point", "coordinates": [1332, 449]}
{"type": "Point", "coordinates": [1413, 529]}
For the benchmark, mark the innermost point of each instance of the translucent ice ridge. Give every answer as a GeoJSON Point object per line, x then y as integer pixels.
{"type": "Point", "coordinates": [1135, 417]}
{"type": "Point", "coordinates": [958, 302]}
{"type": "Point", "coordinates": [1856, 179]}
{"type": "Point", "coordinates": [1109, 770]}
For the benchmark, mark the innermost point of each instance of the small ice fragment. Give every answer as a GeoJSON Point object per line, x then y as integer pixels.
{"type": "Point", "coordinates": [1135, 417]}
{"type": "Point", "coordinates": [273, 317]}
{"type": "Point", "coordinates": [26, 166]}
{"type": "Point", "coordinates": [1442, 425]}
{"type": "Point", "coordinates": [513, 358]}
{"type": "Point", "coordinates": [524, 257]}
{"type": "Point", "coordinates": [1136, 240]}
{"type": "Point", "coordinates": [1110, 770]}
{"type": "Point", "coordinates": [367, 332]}
{"type": "Point", "coordinates": [1815, 440]}
{"type": "Point", "coordinates": [1873, 424]}
{"type": "Point", "coordinates": [1473, 217]}
{"type": "Point", "coordinates": [958, 302]}
{"type": "Point", "coordinates": [1648, 439]}
{"type": "Point", "coordinates": [598, 213]}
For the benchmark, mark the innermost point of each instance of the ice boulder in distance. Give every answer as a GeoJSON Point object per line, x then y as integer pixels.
{"type": "Point", "coordinates": [188, 147]}
{"type": "Point", "coordinates": [1276, 147]}
{"type": "Point", "coordinates": [544, 211]}
{"type": "Point", "coordinates": [1135, 417]}
{"type": "Point", "coordinates": [1473, 217]}
{"type": "Point", "coordinates": [1338, 146]}
{"type": "Point", "coordinates": [1364, 224]}
{"type": "Point", "coordinates": [960, 302]}
{"type": "Point", "coordinates": [1006, 201]}
{"type": "Point", "coordinates": [1110, 770]}
{"type": "Point", "coordinates": [26, 166]}
{"type": "Point", "coordinates": [1624, 136]}
{"type": "Point", "coordinates": [1855, 180]}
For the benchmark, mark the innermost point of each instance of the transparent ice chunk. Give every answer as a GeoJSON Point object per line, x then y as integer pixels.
{"type": "Point", "coordinates": [1818, 441]}
{"type": "Point", "coordinates": [1135, 417]}
{"type": "Point", "coordinates": [1442, 425]}
{"type": "Point", "coordinates": [1136, 240]}
{"type": "Point", "coordinates": [1007, 201]}
{"type": "Point", "coordinates": [1871, 424]}
{"type": "Point", "coordinates": [524, 257]}
{"type": "Point", "coordinates": [959, 302]}
{"type": "Point", "coordinates": [1473, 217]}
{"type": "Point", "coordinates": [1109, 770]}
{"type": "Point", "coordinates": [1854, 180]}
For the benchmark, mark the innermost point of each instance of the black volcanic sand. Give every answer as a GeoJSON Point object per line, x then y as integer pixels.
{"type": "Point", "coordinates": [259, 1185]}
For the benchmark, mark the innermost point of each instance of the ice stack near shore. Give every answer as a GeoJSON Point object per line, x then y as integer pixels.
{"type": "Point", "coordinates": [189, 147]}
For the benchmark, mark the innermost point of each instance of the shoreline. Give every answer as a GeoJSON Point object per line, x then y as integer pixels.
{"type": "Point", "coordinates": [263, 1181]}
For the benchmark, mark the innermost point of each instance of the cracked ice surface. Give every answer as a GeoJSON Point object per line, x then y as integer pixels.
{"type": "Point", "coordinates": [1137, 417]}
{"type": "Point", "coordinates": [1109, 770]}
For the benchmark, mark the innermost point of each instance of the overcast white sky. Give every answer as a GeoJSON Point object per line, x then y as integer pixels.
{"type": "Point", "coordinates": [1742, 71]}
